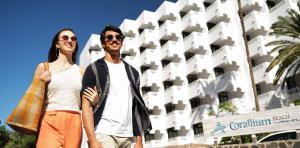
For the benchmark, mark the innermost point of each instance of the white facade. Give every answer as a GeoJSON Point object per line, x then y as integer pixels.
{"type": "Point", "coordinates": [191, 57]}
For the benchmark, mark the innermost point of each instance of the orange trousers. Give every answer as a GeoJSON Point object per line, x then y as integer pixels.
{"type": "Point", "coordinates": [60, 129]}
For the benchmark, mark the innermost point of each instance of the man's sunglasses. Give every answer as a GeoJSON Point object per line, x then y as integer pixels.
{"type": "Point", "coordinates": [111, 37]}
{"type": "Point", "coordinates": [66, 38]}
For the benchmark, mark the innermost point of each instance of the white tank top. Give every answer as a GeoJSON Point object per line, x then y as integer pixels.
{"type": "Point", "coordinates": [64, 90]}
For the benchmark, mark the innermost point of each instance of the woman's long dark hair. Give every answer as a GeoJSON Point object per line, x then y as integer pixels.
{"type": "Point", "coordinates": [53, 51]}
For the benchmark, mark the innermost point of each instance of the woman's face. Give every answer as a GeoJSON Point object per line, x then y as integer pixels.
{"type": "Point", "coordinates": [66, 42]}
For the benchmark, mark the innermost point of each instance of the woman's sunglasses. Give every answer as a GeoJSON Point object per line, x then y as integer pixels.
{"type": "Point", "coordinates": [111, 37]}
{"type": "Point", "coordinates": [66, 38]}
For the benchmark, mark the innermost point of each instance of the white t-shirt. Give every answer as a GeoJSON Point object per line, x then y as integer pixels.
{"type": "Point", "coordinates": [117, 114]}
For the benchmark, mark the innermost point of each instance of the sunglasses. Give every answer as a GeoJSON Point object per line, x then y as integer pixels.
{"type": "Point", "coordinates": [111, 37]}
{"type": "Point", "coordinates": [66, 38]}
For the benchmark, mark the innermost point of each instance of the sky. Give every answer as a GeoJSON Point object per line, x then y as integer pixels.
{"type": "Point", "coordinates": [27, 28]}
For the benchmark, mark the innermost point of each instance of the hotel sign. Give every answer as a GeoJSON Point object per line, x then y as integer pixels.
{"type": "Point", "coordinates": [257, 122]}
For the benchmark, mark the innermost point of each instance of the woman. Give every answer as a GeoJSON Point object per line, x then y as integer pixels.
{"type": "Point", "coordinates": [61, 122]}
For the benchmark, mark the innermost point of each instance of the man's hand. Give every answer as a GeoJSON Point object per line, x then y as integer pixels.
{"type": "Point", "coordinates": [139, 142]}
{"type": "Point", "coordinates": [95, 144]}
{"type": "Point", "coordinates": [91, 95]}
{"type": "Point", "coordinates": [138, 145]}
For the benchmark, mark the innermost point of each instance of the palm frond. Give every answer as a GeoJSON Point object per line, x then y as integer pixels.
{"type": "Point", "coordinates": [282, 56]}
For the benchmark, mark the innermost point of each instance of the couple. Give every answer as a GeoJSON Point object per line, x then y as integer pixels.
{"type": "Point", "coordinates": [113, 110]}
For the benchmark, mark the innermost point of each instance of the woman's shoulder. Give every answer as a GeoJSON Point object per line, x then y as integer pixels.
{"type": "Point", "coordinates": [42, 66]}
{"type": "Point", "coordinates": [81, 69]}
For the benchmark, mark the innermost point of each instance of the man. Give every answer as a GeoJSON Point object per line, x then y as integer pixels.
{"type": "Point", "coordinates": [120, 114]}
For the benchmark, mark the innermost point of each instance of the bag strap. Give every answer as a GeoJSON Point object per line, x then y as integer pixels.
{"type": "Point", "coordinates": [46, 65]}
{"type": "Point", "coordinates": [93, 65]}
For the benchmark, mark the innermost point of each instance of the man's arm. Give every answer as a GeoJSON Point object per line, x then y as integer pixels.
{"type": "Point", "coordinates": [88, 122]}
{"type": "Point", "coordinates": [88, 80]}
{"type": "Point", "coordinates": [139, 142]}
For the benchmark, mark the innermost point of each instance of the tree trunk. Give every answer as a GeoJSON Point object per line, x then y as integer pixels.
{"type": "Point", "coordinates": [248, 57]}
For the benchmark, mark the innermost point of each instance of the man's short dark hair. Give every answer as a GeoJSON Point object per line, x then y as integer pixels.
{"type": "Point", "coordinates": [110, 28]}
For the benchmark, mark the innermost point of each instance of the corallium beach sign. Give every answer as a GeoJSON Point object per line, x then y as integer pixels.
{"type": "Point", "coordinates": [257, 122]}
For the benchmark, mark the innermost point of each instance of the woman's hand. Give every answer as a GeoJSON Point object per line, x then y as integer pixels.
{"type": "Point", "coordinates": [91, 95]}
{"type": "Point", "coordinates": [45, 76]}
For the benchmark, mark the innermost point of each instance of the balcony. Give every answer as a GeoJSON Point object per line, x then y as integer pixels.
{"type": "Point", "coordinates": [171, 50]}
{"type": "Point", "coordinates": [167, 11]}
{"type": "Point", "coordinates": [221, 34]}
{"type": "Point", "coordinates": [265, 100]}
{"type": "Point", "coordinates": [250, 5]}
{"type": "Point", "coordinates": [201, 88]}
{"type": "Point", "coordinates": [193, 21]}
{"type": "Point", "coordinates": [158, 124]}
{"type": "Point", "coordinates": [257, 47]}
{"type": "Point", "coordinates": [217, 12]}
{"type": "Point", "coordinates": [229, 81]}
{"type": "Point", "coordinates": [154, 100]}
{"type": "Point", "coordinates": [176, 94]}
{"type": "Point", "coordinates": [196, 43]}
{"type": "Point", "coordinates": [169, 30]}
{"type": "Point", "coordinates": [200, 113]}
{"type": "Point", "coordinates": [152, 78]}
{"type": "Point", "coordinates": [226, 56]}
{"type": "Point", "coordinates": [130, 46]}
{"type": "Point", "coordinates": [134, 61]}
{"type": "Point", "coordinates": [281, 9]}
{"type": "Point", "coordinates": [148, 39]}
{"type": "Point", "coordinates": [196, 67]}
{"type": "Point", "coordinates": [129, 28]}
{"type": "Point", "coordinates": [174, 72]}
{"type": "Point", "coordinates": [92, 51]}
{"type": "Point", "coordinates": [188, 5]}
{"type": "Point", "coordinates": [254, 25]}
{"type": "Point", "coordinates": [178, 119]}
{"type": "Point", "coordinates": [260, 74]}
{"type": "Point", "coordinates": [150, 58]}
{"type": "Point", "coordinates": [147, 20]}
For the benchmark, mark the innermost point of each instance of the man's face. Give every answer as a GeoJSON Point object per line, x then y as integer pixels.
{"type": "Point", "coordinates": [113, 42]}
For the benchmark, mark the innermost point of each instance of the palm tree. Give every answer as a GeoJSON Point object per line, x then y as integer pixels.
{"type": "Point", "coordinates": [248, 55]}
{"type": "Point", "coordinates": [289, 47]}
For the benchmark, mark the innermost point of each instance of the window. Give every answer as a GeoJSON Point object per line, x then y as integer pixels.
{"type": "Point", "coordinates": [258, 90]}
{"type": "Point", "coordinates": [248, 38]}
{"type": "Point", "coordinates": [165, 62]}
{"type": "Point", "coordinates": [149, 136]}
{"type": "Point", "coordinates": [290, 82]}
{"type": "Point", "coordinates": [160, 23]}
{"type": "Point", "coordinates": [142, 49]}
{"type": "Point", "coordinates": [218, 71]}
{"type": "Point", "coordinates": [253, 64]}
{"type": "Point", "coordinates": [270, 4]}
{"type": "Point", "coordinates": [169, 107]}
{"type": "Point", "coordinates": [172, 132]}
{"type": "Point", "coordinates": [162, 42]}
{"type": "Point", "coordinates": [195, 102]}
{"type": "Point", "coordinates": [144, 68]}
{"type": "Point", "coordinates": [214, 47]}
{"type": "Point", "coordinates": [191, 78]}
{"type": "Point", "coordinates": [223, 97]}
{"type": "Point", "coordinates": [145, 90]}
{"type": "Point", "coordinates": [206, 4]}
{"type": "Point", "coordinates": [185, 34]}
{"type": "Point", "coordinates": [182, 14]}
{"type": "Point", "coordinates": [188, 55]}
{"type": "Point", "coordinates": [210, 25]}
{"type": "Point", "coordinates": [150, 111]}
{"type": "Point", "coordinates": [198, 128]}
{"type": "Point", "coordinates": [141, 30]}
{"type": "Point", "coordinates": [283, 135]}
{"type": "Point", "coordinates": [123, 55]}
{"type": "Point", "coordinates": [168, 84]}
